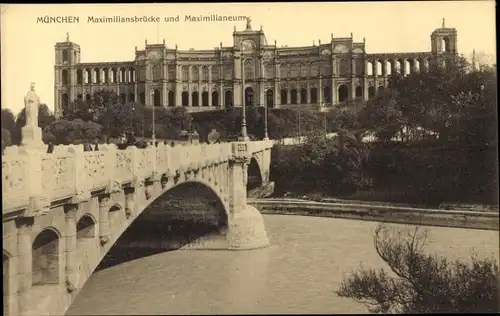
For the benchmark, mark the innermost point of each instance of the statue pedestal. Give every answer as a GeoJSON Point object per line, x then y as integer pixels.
{"type": "Point", "coordinates": [31, 136]}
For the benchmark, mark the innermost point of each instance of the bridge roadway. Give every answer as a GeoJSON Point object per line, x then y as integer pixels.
{"type": "Point", "coordinates": [63, 211]}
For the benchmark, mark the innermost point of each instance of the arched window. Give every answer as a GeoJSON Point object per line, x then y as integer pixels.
{"type": "Point", "coordinates": [343, 93]}
{"type": "Point", "coordinates": [270, 98]}
{"type": "Point", "coordinates": [195, 73]}
{"type": "Point", "coordinates": [157, 97]}
{"type": "Point", "coordinates": [304, 70]}
{"type": "Point", "coordinates": [215, 73]}
{"type": "Point", "coordinates": [303, 96]}
{"type": "Point", "coordinates": [185, 73]}
{"type": "Point", "coordinates": [194, 98]}
{"type": "Point", "coordinates": [293, 96]}
{"type": "Point", "coordinates": [171, 98]}
{"type": "Point", "coordinates": [123, 98]}
{"type": "Point", "coordinates": [344, 67]}
{"type": "Point", "coordinates": [79, 76]}
{"type": "Point", "coordinates": [64, 76]}
{"type": "Point", "coordinates": [249, 97]}
{"type": "Point", "coordinates": [249, 69]}
{"type": "Point", "coordinates": [142, 97]}
{"type": "Point", "coordinates": [204, 98]}
{"type": "Point", "coordinates": [156, 71]}
{"type": "Point", "coordinates": [284, 70]}
{"type": "Point", "coordinates": [314, 95]}
{"type": "Point", "coordinates": [369, 68]}
{"type": "Point", "coordinates": [215, 98]}
{"type": "Point", "coordinates": [228, 98]}
{"type": "Point", "coordinates": [204, 73]}
{"type": "Point", "coordinates": [445, 45]}
{"type": "Point", "coordinates": [269, 69]}
{"type": "Point", "coordinates": [132, 74]}
{"type": "Point", "coordinates": [314, 69]}
{"type": "Point", "coordinates": [64, 100]}
{"type": "Point", "coordinates": [284, 96]}
{"type": "Point", "coordinates": [359, 92]}
{"type": "Point", "coordinates": [65, 56]}
{"type": "Point", "coordinates": [327, 94]}
{"type": "Point", "coordinates": [294, 71]}
{"type": "Point", "coordinates": [96, 76]}
{"type": "Point", "coordinates": [131, 97]}
{"type": "Point", "coordinates": [185, 98]}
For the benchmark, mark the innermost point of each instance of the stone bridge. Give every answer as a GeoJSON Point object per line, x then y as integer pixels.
{"type": "Point", "coordinates": [63, 211]}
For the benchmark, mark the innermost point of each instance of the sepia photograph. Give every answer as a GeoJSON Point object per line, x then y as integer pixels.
{"type": "Point", "coordinates": [250, 158]}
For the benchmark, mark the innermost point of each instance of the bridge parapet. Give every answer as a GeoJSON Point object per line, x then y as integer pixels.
{"type": "Point", "coordinates": [33, 179]}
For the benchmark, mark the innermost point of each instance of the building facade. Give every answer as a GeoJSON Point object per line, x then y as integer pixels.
{"type": "Point", "coordinates": [250, 72]}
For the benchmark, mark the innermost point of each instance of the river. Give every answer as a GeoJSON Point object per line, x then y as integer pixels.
{"type": "Point", "coordinates": [298, 273]}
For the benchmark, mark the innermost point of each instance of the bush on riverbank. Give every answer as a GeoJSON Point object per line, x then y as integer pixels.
{"type": "Point", "coordinates": [420, 282]}
{"type": "Point", "coordinates": [331, 166]}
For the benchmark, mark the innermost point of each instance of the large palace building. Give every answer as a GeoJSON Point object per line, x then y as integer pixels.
{"type": "Point", "coordinates": [250, 72]}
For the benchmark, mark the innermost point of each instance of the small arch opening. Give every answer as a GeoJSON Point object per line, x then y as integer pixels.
{"type": "Point", "coordinates": [185, 98]}
{"type": "Point", "coordinates": [215, 98]}
{"type": "Point", "coordinates": [194, 98]}
{"type": "Point", "coordinates": [343, 93]}
{"type": "Point", "coordinates": [284, 96]}
{"type": "Point", "coordinates": [314, 95]}
{"type": "Point", "coordinates": [171, 98]}
{"type": "Point", "coordinates": [293, 96]}
{"type": "Point", "coordinates": [249, 97]}
{"type": "Point", "coordinates": [270, 98]}
{"type": "Point", "coordinates": [85, 228]}
{"type": "Point", "coordinates": [45, 260]}
{"type": "Point", "coordinates": [303, 96]}
{"type": "Point", "coordinates": [359, 92]}
{"type": "Point", "coordinates": [204, 98]}
{"type": "Point", "coordinates": [228, 98]}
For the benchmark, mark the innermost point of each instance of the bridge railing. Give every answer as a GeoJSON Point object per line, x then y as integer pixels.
{"type": "Point", "coordinates": [69, 170]}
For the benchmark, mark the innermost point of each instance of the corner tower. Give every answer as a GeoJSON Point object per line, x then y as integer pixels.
{"type": "Point", "coordinates": [67, 56]}
{"type": "Point", "coordinates": [444, 44]}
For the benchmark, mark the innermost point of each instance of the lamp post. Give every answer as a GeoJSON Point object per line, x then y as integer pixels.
{"type": "Point", "coordinates": [266, 103]}
{"type": "Point", "coordinates": [244, 135]}
{"type": "Point", "coordinates": [153, 134]}
{"type": "Point", "coordinates": [132, 118]}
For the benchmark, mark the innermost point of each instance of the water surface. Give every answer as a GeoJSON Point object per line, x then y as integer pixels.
{"type": "Point", "coordinates": [298, 273]}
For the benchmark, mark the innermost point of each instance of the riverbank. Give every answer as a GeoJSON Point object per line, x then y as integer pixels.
{"type": "Point", "coordinates": [380, 213]}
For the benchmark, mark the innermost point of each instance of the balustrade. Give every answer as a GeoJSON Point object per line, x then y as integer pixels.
{"type": "Point", "coordinates": [70, 171]}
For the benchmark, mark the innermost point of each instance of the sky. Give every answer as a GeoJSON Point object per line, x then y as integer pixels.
{"type": "Point", "coordinates": [27, 47]}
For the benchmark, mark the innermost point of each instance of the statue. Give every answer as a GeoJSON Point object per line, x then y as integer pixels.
{"type": "Point", "coordinates": [67, 36]}
{"type": "Point", "coordinates": [31, 102]}
{"type": "Point", "coordinates": [443, 26]}
{"type": "Point", "coordinates": [249, 21]}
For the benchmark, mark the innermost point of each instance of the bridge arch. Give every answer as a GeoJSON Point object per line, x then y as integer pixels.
{"type": "Point", "coordinates": [46, 257]}
{"type": "Point", "coordinates": [255, 177]}
{"type": "Point", "coordinates": [194, 207]}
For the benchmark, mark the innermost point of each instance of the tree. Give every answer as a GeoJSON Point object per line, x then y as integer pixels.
{"type": "Point", "coordinates": [8, 120]}
{"type": "Point", "coordinates": [421, 283]}
{"type": "Point", "coordinates": [72, 132]}
{"type": "Point", "coordinates": [6, 139]}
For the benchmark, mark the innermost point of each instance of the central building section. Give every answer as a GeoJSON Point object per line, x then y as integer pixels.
{"type": "Point", "coordinates": [201, 79]}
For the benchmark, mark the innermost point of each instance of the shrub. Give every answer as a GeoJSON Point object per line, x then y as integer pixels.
{"type": "Point", "coordinates": [422, 283]}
